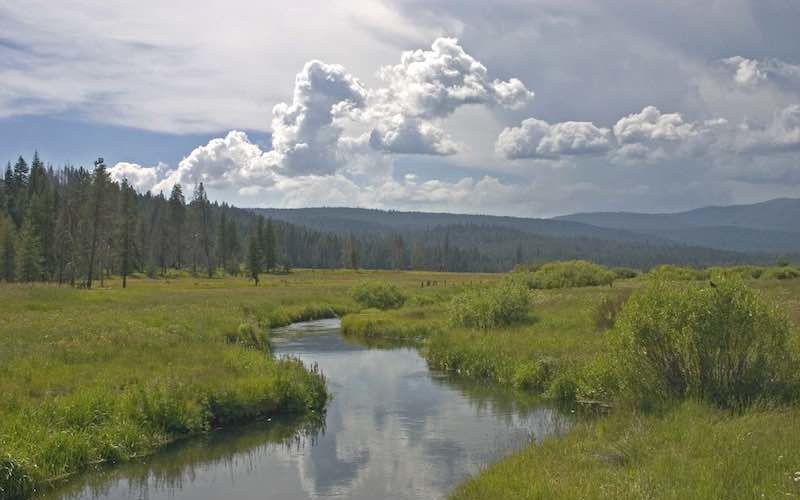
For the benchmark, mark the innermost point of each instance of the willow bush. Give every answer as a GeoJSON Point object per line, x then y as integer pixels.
{"type": "Point", "coordinates": [490, 307]}
{"type": "Point", "coordinates": [378, 295]}
{"type": "Point", "coordinates": [567, 274]}
{"type": "Point", "coordinates": [721, 343]}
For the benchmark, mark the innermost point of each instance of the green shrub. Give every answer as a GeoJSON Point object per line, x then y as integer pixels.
{"type": "Point", "coordinates": [624, 273]}
{"type": "Point", "coordinates": [286, 315]}
{"type": "Point", "coordinates": [249, 335]}
{"type": "Point", "coordinates": [535, 376]}
{"type": "Point", "coordinates": [741, 272]}
{"type": "Point", "coordinates": [781, 273]}
{"type": "Point", "coordinates": [607, 310]}
{"type": "Point", "coordinates": [563, 388]}
{"type": "Point", "coordinates": [667, 272]}
{"type": "Point", "coordinates": [723, 344]}
{"type": "Point", "coordinates": [490, 307]}
{"type": "Point", "coordinates": [378, 295]}
{"type": "Point", "coordinates": [374, 325]}
{"type": "Point", "coordinates": [568, 274]}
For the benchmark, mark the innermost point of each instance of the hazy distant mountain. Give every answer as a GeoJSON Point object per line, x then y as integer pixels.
{"type": "Point", "coordinates": [496, 242]}
{"type": "Point", "coordinates": [770, 226]}
{"type": "Point", "coordinates": [361, 220]}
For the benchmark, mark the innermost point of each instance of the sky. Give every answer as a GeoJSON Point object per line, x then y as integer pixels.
{"type": "Point", "coordinates": [527, 108]}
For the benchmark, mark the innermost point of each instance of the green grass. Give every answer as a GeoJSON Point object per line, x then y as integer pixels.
{"type": "Point", "coordinates": [692, 452]}
{"type": "Point", "coordinates": [110, 374]}
{"type": "Point", "coordinates": [104, 375]}
{"type": "Point", "coordinates": [553, 342]}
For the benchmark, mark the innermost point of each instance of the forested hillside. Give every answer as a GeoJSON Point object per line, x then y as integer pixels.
{"type": "Point", "coordinates": [490, 243]}
{"type": "Point", "coordinates": [772, 226]}
{"type": "Point", "coordinates": [76, 225]}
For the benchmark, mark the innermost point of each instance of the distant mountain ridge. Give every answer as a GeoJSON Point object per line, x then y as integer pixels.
{"type": "Point", "coordinates": [641, 244]}
{"type": "Point", "coordinates": [367, 220]}
{"type": "Point", "coordinates": [770, 226]}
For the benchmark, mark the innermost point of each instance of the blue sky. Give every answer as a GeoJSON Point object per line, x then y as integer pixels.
{"type": "Point", "coordinates": [531, 108]}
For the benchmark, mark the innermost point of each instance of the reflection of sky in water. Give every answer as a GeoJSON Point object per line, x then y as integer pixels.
{"type": "Point", "coordinates": [392, 431]}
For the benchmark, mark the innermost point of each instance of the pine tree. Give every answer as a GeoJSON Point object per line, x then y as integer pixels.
{"type": "Point", "coordinates": [222, 238]}
{"type": "Point", "coordinates": [97, 213]}
{"type": "Point", "coordinates": [7, 250]}
{"type": "Point", "coordinates": [398, 252]}
{"type": "Point", "coordinates": [8, 186]}
{"type": "Point", "coordinates": [177, 218]}
{"type": "Point", "coordinates": [254, 258]}
{"type": "Point", "coordinates": [28, 255]}
{"type": "Point", "coordinates": [126, 227]}
{"type": "Point", "coordinates": [233, 247]}
{"type": "Point", "coordinates": [269, 247]}
{"type": "Point", "coordinates": [202, 211]}
{"type": "Point", "coordinates": [17, 192]}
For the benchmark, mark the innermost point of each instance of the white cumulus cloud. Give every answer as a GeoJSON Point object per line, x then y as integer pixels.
{"type": "Point", "coordinates": [305, 133]}
{"type": "Point", "coordinates": [750, 73]}
{"type": "Point", "coordinates": [538, 139]}
{"type": "Point", "coordinates": [428, 86]}
{"type": "Point", "coordinates": [143, 178]}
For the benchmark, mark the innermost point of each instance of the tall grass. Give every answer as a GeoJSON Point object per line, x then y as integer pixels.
{"type": "Point", "coordinates": [693, 452]}
{"type": "Point", "coordinates": [109, 374]}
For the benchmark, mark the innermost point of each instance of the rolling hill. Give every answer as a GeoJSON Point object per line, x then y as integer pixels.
{"type": "Point", "coordinates": [772, 226]}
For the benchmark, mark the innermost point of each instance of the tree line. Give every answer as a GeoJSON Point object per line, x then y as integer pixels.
{"type": "Point", "coordinates": [77, 226]}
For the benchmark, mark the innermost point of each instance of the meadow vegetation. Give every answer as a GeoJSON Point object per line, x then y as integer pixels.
{"type": "Point", "coordinates": [568, 274]}
{"type": "Point", "coordinates": [378, 295]}
{"type": "Point", "coordinates": [699, 364]}
{"type": "Point", "coordinates": [108, 374]}
{"type": "Point", "coordinates": [698, 360]}
{"type": "Point", "coordinates": [489, 307]}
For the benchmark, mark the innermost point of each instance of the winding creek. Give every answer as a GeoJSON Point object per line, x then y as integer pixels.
{"type": "Point", "coordinates": [394, 430]}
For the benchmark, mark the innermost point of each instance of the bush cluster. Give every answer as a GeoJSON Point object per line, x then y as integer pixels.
{"type": "Point", "coordinates": [490, 307]}
{"type": "Point", "coordinates": [668, 272]}
{"type": "Point", "coordinates": [249, 335]}
{"type": "Point", "coordinates": [378, 295]}
{"type": "Point", "coordinates": [607, 310]}
{"type": "Point", "coordinates": [722, 344]}
{"type": "Point", "coordinates": [567, 274]}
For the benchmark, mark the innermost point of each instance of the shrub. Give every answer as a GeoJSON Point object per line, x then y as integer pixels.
{"type": "Point", "coordinates": [742, 272]}
{"type": "Point", "coordinates": [379, 295]}
{"type": "Point", "coordinates": [248, 335]}
{"type": "Point", "coordinates": [563, 388]}
{"type": "Point", "coordinates": [490, 307]}
{"type": "Point", "coordinates": [607, 310]}
{"type": "Point", "coordinates": [535, 375]}
{"type": "Point", "coordinates": [723, 344]}
{"type": "Point", "coordinates": [567, 274]}
{"type": "Point", "coordinates": [781, 273]}
{"type": "Point", "coordinates": [667, 272]}
{"type": "Point", "coordinates": [624, 273]}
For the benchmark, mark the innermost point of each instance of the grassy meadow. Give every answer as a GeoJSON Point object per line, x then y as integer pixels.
{"type": "Point", "coordinates": [689, 447]}
{"type": "Point", "coordinates": [105, 375]}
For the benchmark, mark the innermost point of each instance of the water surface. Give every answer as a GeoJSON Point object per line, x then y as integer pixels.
{"type": "Point", "coordinates": [394, 430]}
